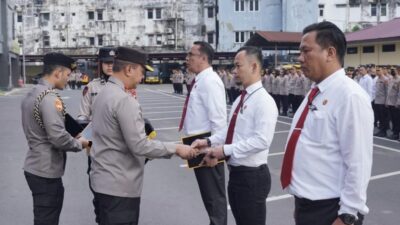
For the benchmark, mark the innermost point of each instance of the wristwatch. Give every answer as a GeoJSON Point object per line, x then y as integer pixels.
{"type": "Point", "coordinates": [347, 219]}
{"type": "Point", "coordinates": [208, 142]}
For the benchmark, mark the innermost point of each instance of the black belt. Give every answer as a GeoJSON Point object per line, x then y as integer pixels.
{"type": "Point", "coordinates": [246, 168]}
{"type": "Point", "coordinates": [308, 201]}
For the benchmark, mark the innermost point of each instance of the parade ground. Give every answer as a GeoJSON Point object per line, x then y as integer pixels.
{"type": "Point", "coordinates": [170, 193]}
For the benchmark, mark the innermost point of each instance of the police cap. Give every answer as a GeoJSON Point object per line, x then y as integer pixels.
{"type": "Point", "coordinates": [134, 56]}
{"type": "Point", "coordinates": [59, 59]}
{"type": "Point", "coordinates": [107, 54]}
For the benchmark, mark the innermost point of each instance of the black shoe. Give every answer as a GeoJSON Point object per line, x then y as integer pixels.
{"type": "Point", "coordinates": [394, 137]}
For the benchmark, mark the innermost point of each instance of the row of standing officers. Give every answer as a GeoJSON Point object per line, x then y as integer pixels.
{"type": "Point", "coordinates": [322, 195]}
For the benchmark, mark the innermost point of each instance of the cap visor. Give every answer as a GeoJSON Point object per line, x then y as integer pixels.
{"type": "Point", "coordinates": [107, 59]}
{"type": "Point", "coordinates": [149, 68]}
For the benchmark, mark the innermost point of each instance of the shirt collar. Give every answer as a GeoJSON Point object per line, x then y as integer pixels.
{"type": "Point", "coordinates": [250, 89]}
{"type": "Point", "coordinates": [203, 73]}
{"type": "Point", "coordinates": [116, 81]}
{"type": "Point", "coordinates": [331, 79]}
{"type": "Point", "coordinates": [44, 82]}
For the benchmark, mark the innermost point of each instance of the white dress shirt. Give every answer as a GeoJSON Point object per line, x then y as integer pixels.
{"type": "Point", "coordinates": [367, 83]}
{"type": "Point", "coordinates": [254, 129]}
{"type": "Point", "coordinates": [333, 156]}
{"type": "Point", "coordinates": [206, 110]}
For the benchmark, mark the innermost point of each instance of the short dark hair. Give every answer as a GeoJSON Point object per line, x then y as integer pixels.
{"type": "Point", "coordinates": [207, 49]}
{"type": "Point", "coordinates": [119, 65]}
{"type": "Point", "coordinates": [49, 69]}
{"type": "Point", "coordinates": [252, 51]}
{"type": "Point", "coordinates": [328, 34]}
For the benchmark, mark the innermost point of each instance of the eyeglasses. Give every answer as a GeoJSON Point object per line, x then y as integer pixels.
{"type": "Point", "coordinates": [190, 54]}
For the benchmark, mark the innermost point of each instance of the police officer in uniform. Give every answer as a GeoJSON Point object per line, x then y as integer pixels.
{"type": "Point", "coordinates": [106, 59]}
{"type": "Point", "coordinates": [120, 144]}
{"type": "Point", "coordinates": [43, 118]}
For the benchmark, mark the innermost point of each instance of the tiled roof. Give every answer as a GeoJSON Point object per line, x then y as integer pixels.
{"type": "Point", "coordinates": [285, 37]}
{"type": "Point", "coordinates": [385, 30]}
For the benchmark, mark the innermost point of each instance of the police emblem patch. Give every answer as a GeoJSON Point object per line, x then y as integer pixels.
{"type": "Point", "coordinates": [59, 105]}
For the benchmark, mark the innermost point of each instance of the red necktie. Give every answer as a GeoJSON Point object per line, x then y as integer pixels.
{"type": "Point", "coordinates": [286, 173]}
{"type": "Point", "coordinates": [185, 106]}
{"type": "Point", "coordinates": [232, 123]}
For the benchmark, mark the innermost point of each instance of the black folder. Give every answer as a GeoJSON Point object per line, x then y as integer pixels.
{"type": "Point", "coordinates": [72, 126]}
{"type": "Point", "coordinates": [195, 162]}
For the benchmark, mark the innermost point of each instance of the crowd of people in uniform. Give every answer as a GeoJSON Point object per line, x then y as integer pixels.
{"type": "Point", "coordinates": [328, 188]}
{"type": "Point", "coordinates": [77, 79]}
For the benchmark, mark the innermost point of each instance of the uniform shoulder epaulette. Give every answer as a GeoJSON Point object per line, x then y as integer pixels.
{"type": "Point", "coordinates": [36, 112]}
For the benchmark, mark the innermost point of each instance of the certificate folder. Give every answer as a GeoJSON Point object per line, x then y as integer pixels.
{"type": "Point", "coordinates": [72, 126]}
{"type": "Point", "coordinates": [195, 162]}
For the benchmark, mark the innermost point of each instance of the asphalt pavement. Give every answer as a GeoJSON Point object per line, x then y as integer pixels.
{"type": "Point", "coordinates": [170, 193]}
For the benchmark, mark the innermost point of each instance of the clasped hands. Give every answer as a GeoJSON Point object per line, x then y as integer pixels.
{"type": "Point", "coordinates": [212, 154]}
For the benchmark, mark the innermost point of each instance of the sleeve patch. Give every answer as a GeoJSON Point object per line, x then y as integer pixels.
{"type": "Point", "coordinates": [59, 105]}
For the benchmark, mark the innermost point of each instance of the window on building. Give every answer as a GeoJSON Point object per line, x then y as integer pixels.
{"type": "Point", "coordinates": [74, 39]}
{"type": "Point", "coordinates": [354, 3]}
{"type": "Point", "coordinates": [46, 41]}
{"type": "Point", "coordinates": [91, 15]}
{"type": "Point", "coordinates": [321, 9]}
{"type": "Point", "coordinates": [352, 50]}
{"type": "Point", "coordinates": [158, 13]}
{"type": "Point", "coordinates": [251, 34]}
{"type": "Point", "coordinates": [151, 39]}
{"type": "Point", "coordinates": [210, 12]}
{"type": "Point", "coordinates": [100, 15]}
{"type": "Point", "coordinates": [383, 9]}
{"type": "Point", "coordinates": [19, 18]}
{"type": "Point", "coordinates": [210, 37]}
{"type": "Point", "coordinates": [62, 14]}
{"type": "Point", "coordinates": [63, 39]}
{"type": "Point", "coordinates": [373, 9]}
{"type": "Point", "coordinates": [100, 40]}
{"type": "Point", "coordinates": [389, 48]}
{"type": "Point", "coordinates": [239, 5]}
{"type": "Point", "coordinates": [159, 39]}
{"type": "Point", "coordinates": [341, 5]}
{"type": "Point", "coordinates": [91, 41]}
{"type": "Point", "coordinates": [149, 13]}
{"type": "Point", "coordinates": [45, 17]}
{"type": "Point", "coordinates": [239, 36]}
{"type": "Point", "coordinates": [73, 14]}
{"type": "Point", "coordinates": [368, 49]}
{"type": "Point", "coordinates": [253, 5]}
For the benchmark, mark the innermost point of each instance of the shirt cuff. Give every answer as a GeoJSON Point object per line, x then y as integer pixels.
{"type": "Point", "coordinates": [344, 209]}
{"type": "Point", "coordinates": [228, 150]}
{"type": "Point", "coordinates": [170, 146]}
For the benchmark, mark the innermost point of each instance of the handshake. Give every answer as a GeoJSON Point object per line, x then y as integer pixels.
{"type": "Point", "coordinates": [200, 146]}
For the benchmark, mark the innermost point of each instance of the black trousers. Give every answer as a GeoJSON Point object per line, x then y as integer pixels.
{"type": "Point", "coordinates": [297, 102]}
{"type": "Point", "coordinates": [248, 189]}
{"type": "Point", "coordinates": [95, 203]}
{"type": "Point", "coordinates": [376, 120]}
{"type": "Point", "coordinates": [395, 117]}
{"type": "Point", "coordinates": [115, 210]}
{"type": "Point", "coordinates": [277, 102]}
{"type": "Point", "coordinates": [179, 87]}
{"type": "Point", "coordinates": [284, 101]}
{"type": "Point", "coordinates": [48, 197]}
{"type": "Point", "coordinates": [211, 183]}
{"type": "Point", "coordinates": [320, 212]}
{"type": "Point", "coordinates": [382, 113]}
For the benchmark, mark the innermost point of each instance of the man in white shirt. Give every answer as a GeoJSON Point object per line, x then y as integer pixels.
{"type": "Point", "coordinates": [366, 82]}
{"type": "Point", "coordinates": [328, 158]}
{"type": "Point", "coordinates": [205, 111]}
{"type": "Point", "coordinates": [246, 142]}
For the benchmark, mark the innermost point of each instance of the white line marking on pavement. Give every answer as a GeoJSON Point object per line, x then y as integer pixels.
{"type": "Point", "coordinates": [162, 107]}
{"type": "Point", "coordinates": [183, 166]}
{"type": "Point", "coordinates": [168, 118]}
{"type": "Point", "coordinates": [279, 197]}
{"type": "Point", "coordinates": [65, 97]}
{"type": "Point", "coordinates": [386, 139]}
{"type": "Point", "coordinates": [148, 113]}
{"type": "Point", "coordinates": [387, 148]}
{"type": "Point", "coordinates": [166, 128]}
{"type": "Point", "coordinates": [376, 177]}
{"type": "Point", "coordinates": [276, 153]}
{"type": "Point", "coordinates": [282, 132]}
{"type": "Point", "coordinates": [284, 122]}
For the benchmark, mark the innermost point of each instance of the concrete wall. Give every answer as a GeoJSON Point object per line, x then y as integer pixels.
{"type": "Point", "coordinates": [378, 57]}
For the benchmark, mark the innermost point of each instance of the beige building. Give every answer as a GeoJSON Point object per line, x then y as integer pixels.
{"type": "Point", "coordinates": [379, 45]}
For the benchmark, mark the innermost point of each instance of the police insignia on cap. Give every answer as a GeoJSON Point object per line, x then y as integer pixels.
{"type": "Point", "coordinates": [73, 66]}
{"type": "Point", "coordinates": [59, 105]}
{"type": "Point", "coordinates": [112, 53]}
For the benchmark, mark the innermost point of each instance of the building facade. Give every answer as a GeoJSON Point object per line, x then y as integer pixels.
{"type": "Point", "coordinates": [82, 26]}
{"type": "Point", "coordinates": [352, 15]}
